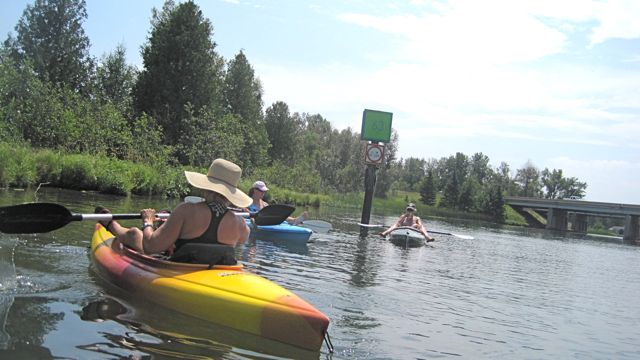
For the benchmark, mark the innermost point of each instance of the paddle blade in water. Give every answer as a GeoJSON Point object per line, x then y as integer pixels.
{"type": "Point", "coordinates": [33, 218]}
{"type": "Point", "coordinates": [317, 226]}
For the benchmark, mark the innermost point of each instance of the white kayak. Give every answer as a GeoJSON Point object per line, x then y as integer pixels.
{"type": "Point", "coordinates": [407, 236]}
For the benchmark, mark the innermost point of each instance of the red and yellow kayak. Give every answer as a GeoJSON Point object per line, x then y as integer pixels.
{"type": "Point", "coordinates": [225, 295]}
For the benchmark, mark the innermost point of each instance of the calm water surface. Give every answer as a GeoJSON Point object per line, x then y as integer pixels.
{"type": "Point", "coordinates": [507, 294]}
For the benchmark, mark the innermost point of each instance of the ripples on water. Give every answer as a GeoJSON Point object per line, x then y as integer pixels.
{"type": "Point", "coordinates": [509, 293]}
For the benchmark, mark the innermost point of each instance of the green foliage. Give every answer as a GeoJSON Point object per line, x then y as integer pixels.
{"type": "Point", "coordinates": [50, 35]}
{"type": "Point", "coordinates": [180, 68]}
{"type": "Point", "coordinates": [559, 187]}
{"type": "Point", "coordinates": [48, 166]}
{"type": "Point", "coordinates": [491, 202]}
{"type": "Point", "coordinates": [243, 97]}
{"type": "Point", "coordinates": [17, 168]}
{"type": "Point", "coordinates": [283, 131]}
{"type": "Point", "coordinates": [146, 143]}
{"type": "Point", "coordinates": [511, 217]}
{"type": "Point", "coordinates": [113, 177]}
{"type": "Point", "coordinates": [115, 80]}
{"type": "Point", "coordinates": [22, 166]}
{"type": "Point", "coordinates": [528, 178]}
{"type": "Point", "coordinates": [78, 172]}
{"type": "Point", "coordinates": [302, 177]}
{"type": "Point", "coordinates": [428, 190]}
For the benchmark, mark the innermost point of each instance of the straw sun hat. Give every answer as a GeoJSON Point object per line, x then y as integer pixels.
{"type": "Point", "coordinates": [223, 178]}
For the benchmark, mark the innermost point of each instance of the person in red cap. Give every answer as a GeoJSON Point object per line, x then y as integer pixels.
{"type": "Point", "coordinates": [257, 191]}
{"type": "Point", "coordinates": [409, 219]}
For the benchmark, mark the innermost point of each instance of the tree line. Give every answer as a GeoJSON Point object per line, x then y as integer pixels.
{"type": "Point", "coordinates": [188, 105]}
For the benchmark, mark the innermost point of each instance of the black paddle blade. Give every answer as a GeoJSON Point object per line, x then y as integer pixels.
{"type": "Point", "coordinates": [33, 218]}
{"type": "Point", "coordinates": [272, 214]}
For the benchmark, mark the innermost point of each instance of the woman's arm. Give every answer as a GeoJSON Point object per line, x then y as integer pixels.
{"type": "Point", "coordinates": [155, 241]}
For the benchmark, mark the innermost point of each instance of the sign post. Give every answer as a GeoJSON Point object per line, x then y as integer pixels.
{"type": "Point", "coordinates": [376, 128]}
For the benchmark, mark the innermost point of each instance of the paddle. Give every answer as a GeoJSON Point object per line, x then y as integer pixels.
{"type": "Point", "coordinates": [318, 226]}
{"type": "Point", "coordinates": [467, 237]}
{"type": "Point", "coordinates": [44, 217]}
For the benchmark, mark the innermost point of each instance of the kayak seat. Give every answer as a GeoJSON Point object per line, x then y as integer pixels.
{"type": "Point", "coordinates": [209, 254]}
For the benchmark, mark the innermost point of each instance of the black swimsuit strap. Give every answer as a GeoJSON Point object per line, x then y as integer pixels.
{"type": "Point", "coordinates": [210, 236]}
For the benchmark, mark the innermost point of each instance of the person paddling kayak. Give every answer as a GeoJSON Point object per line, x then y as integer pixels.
{"type": "Point", "coordinates": [409, 219]}
{"type": "Point", "coordinates": [208, 222]}
{"type": "Point", "coordinates": [257, 192]}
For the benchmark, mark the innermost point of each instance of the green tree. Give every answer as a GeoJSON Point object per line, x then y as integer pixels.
{"type": "Point", "coordinates": [428, 189]}
{"type": "Point", "coordinates": [413, 171]}
{"type": "Point", "coordinates": [572, 187]}
{"type": "Point", "coordinates": [283, 131]}
{"type": "Point", "coordinates": [558, 187]}
{"type": "Point", "coordinates": [480, 168]}
{"type": "Point", "coordinates": [348, 162]}
{"type": "Point", "coordinates": [552, 182]}
{"type": "Point", "coordinates": [502, 177]}
{"type": "Point", "coordinates": [243, 97]}
{"type": "Point", "coordinates": [528, 180]}
{"type": "Point", "coordinates": [492, 202]}
{"type": "Point", "coordinates": [469, 191]}
{"type": "Point", "coordinates": [50, 35]}
{"type": "Point", "coordinates": [454, 172]}
{"type": "Point", "coordinates": [180, 67]}
{"type": "Point", "coordinates": [115, 80]}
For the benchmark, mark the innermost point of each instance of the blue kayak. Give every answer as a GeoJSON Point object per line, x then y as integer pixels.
{"type": "Point", "coordinates": [283, 232]}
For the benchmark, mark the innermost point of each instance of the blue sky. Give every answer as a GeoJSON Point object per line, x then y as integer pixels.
{"type": "Point", "coordinates": [553, 82]}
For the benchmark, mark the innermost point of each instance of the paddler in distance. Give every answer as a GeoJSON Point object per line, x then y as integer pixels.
{"type": "Point", "coordinates": [409, 219]}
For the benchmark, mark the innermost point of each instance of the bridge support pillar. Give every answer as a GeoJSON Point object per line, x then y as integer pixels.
{"type": "Point", "coordinates": [557, 219]}
{"type": "Point", "coordinates": [580, 223]}
{"type": "Point", "coordinates": [632, 230]}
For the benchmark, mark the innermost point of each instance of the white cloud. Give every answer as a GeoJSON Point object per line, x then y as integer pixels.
{"type": "Point", "coordinates": [618, 19]}
{"type": "Point", "coordinates": [468, 33]}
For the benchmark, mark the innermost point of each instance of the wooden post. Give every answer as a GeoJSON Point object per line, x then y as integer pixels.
{"type": "Point", "coordinates": [369, 188]}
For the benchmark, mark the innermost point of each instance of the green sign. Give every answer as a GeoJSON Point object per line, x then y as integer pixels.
{"type": "Point", "coordinates": [376, 126]}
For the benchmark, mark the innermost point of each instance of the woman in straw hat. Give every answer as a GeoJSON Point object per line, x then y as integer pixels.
{"type": "Point", "coordinates": [208, 222]}
{"type": "Point", "coordinates": [409, 219]}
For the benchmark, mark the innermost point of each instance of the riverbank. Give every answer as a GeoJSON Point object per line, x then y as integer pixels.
{"type": "Point", "coordinates": [24, 167]}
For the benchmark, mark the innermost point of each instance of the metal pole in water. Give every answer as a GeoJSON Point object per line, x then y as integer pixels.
{"type": "Point", "coordinates": [369, 188]}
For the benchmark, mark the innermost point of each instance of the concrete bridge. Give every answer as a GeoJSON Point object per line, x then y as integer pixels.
{"type": "Point", "coordinates": [556, 213]}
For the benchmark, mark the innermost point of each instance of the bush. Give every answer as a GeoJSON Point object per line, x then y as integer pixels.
{"type": "Point", "coordinates": [17, 166]}
{"type": "Point", "coordinates": [48, 167]}
{"type": "Point", "coordinates": [114, 177]}
{"type": "Point", "coordinates": [78, 172]}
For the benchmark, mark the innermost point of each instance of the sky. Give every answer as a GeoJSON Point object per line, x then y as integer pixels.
{"type": "Point", "coordinates": [554, 83]}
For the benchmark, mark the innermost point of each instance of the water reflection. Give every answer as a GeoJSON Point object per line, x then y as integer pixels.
{"type": "Point", "coordinates": [148, 330]}
{"type": "Point", "coordinates": [8, 281]}
{"type": "Point", "coordinates": [365, 264]}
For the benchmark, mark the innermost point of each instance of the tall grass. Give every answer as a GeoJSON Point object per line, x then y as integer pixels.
{"type": "Point", "coordinates": [22, 166]}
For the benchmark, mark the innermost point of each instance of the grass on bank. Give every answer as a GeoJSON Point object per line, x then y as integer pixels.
{"type": "Point", "coordinates": [24, 167]}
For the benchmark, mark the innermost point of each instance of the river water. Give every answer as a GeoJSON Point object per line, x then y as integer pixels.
{"type": "Point", "coordinates": [510, 293]}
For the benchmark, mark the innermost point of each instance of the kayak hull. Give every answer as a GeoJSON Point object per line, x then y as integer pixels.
{"type": "Point", "coordinates": [226, 295]}
{"type": "Point", "coordinates": [281, 232]}
{"type": "Point", "coordinates": [407, 236]}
